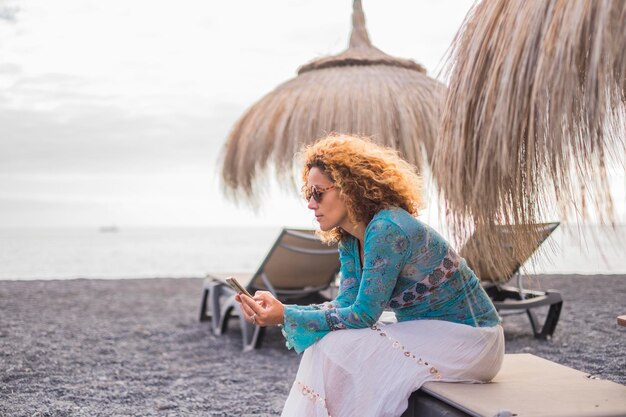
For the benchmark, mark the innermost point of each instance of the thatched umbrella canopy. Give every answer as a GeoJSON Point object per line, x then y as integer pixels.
{"type": "Point", "coordinates": [360, 91]}
{"type": "Point", "coordinates": [534, 113]}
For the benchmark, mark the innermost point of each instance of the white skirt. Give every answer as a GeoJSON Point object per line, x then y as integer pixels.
{"type": "Point", "coordinates": [372, 372]}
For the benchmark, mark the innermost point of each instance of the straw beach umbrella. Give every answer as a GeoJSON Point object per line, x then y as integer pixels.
{"type": "Point", "coordinates": [360, 91]}
{"type": "Point", "coordinates": [534, 113]}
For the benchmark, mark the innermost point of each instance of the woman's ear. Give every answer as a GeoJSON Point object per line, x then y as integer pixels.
{"type": "Point", "coordinates": [352, 218]}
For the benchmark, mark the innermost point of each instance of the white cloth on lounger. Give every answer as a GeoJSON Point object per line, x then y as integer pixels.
{"type": "Point", "coordinates": [371, 372]}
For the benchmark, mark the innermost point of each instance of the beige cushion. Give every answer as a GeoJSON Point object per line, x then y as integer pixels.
{"type": "Point", "coordinates": [529, 386]}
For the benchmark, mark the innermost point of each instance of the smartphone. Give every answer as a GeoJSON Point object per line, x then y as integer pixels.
{"type": "Point", "coordinates": [235, 285]}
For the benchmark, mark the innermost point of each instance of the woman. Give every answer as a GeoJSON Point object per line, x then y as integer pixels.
{"type": "Point", "coordinates": [366, 198]}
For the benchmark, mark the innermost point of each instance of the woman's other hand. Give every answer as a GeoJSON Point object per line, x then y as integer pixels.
{"type": "Point", "coordinates": [263, 309]}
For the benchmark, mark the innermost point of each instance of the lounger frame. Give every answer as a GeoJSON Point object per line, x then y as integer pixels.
{"type": "Point", "coordinates": [513, 300]}
{"type": "Point", "coordinates": [311, 269]}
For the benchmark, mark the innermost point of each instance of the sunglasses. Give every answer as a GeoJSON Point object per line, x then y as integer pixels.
{"type": "Point", "coordinates": [315, 192]}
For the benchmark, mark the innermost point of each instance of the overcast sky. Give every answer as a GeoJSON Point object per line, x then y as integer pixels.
{"type": "Point", "coordinates": [114, 112]}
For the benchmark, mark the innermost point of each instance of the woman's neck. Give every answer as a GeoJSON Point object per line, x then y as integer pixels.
{"type": "Point", "coordinates": [356, 230]}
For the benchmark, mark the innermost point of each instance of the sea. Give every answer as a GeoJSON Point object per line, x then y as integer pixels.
{"type": "Point", "coordinates": [120, 253]}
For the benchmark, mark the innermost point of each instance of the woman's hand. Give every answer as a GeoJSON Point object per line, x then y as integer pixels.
{"type": "Point", "coordinates": [263, 309]}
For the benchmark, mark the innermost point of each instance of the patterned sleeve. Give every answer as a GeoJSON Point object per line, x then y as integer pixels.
{"type": "Point", "coordinates": [349, 280]}
{"type": "Point", "coordinates": [432, 248]}
{"type": "Point", "coordinates": [386, 248]}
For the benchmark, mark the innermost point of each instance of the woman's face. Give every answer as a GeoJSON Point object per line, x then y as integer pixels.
{"type": "Point", "coordinates": [330, 211]}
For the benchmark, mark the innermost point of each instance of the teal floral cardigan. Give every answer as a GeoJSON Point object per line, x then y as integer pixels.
{"type": "Point", "coordinates": [408, 268]}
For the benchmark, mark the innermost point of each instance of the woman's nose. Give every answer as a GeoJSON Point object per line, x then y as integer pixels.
{"type": "Point", "coordinates": [312, 203]}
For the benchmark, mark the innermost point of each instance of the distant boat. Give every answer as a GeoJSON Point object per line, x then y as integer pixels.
{"type": "Point", "coordinates": [109, 229]}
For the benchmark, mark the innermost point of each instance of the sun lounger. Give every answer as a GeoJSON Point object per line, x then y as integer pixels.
{"type": "Point", "coordinates": [526, 386]}
{"type": "Point", "coordinates": [510, 298]}
{"type": "Point", "coordinates": [297, 269]}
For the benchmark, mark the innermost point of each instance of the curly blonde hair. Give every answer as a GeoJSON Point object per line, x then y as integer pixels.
{"type": "Point", "coordinates": [369, 177]}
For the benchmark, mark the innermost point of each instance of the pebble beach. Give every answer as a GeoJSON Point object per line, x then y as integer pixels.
{"type": "Point", "coordinates": [135, 347]}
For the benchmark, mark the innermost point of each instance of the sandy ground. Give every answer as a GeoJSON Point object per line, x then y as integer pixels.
{"type": "Point", "coordinates": [136, 348]}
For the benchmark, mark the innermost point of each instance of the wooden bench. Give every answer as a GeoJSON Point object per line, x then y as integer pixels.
{"type": "Point", "coordinates": [526, 386]}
